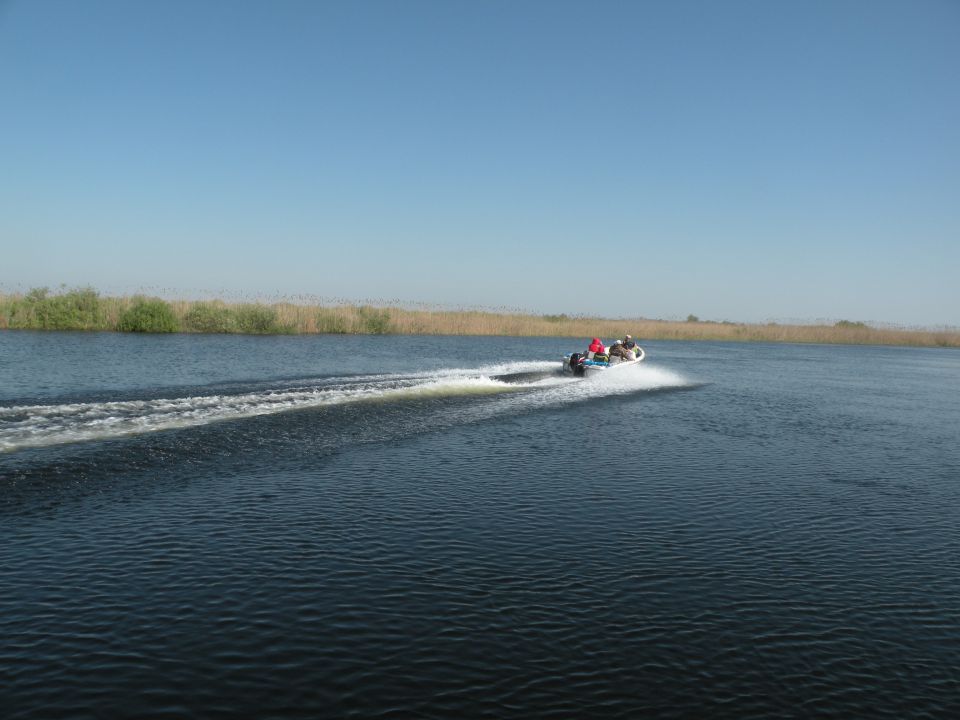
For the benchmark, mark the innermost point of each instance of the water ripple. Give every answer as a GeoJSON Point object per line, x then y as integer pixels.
{"type": "Point", "coordinates": [537, 552]}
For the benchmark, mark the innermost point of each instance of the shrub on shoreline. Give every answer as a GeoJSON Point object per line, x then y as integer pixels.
{"type": "Point", "coordinates": [258, 319]}
{"type": "Point", "coordinates": [205, 317]}
{"type": "Point", "coordinates": [851, 325]}
{"type": "Point", "coordinates": [374, 321]}
{"type": "Point", "coordinates": [148, 315]}
{"type": "Point", "coordinates": [78, 309]}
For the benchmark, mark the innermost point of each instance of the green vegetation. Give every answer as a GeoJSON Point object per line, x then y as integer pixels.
{"type": "Point", "coordinates": [259, 320]}
{"type": "Point", "coordinates": [362, 320]}
{"type": "Point", "coordinates": [148, 315]}
{"type": "Point", "coordinates": [375, 322]}
{"type": "Point", "coordinates": [205, 317]}
{"type": "Point", "coordinates": [247, 318]}
{"type": "Point", "coordinates": [84, 309]}
{"type": "Point", "coordinates": [78, 309]}
{"type": "Point", "coordinates": [851, 325]}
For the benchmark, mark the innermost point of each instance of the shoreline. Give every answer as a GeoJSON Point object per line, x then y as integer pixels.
{"type": "Point", "coordinates": [85, 310]}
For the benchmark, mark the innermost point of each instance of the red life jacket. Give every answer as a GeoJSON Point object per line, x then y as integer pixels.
{"type": "Point", "coordinates": [596, 346]}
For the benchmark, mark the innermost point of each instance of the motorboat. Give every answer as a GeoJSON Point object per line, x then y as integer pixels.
{"type": "Point", "coordinates": [581, 364]}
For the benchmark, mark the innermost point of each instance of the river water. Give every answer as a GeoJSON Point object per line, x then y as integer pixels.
{"type": "Point", "coordinates": [220, 526]}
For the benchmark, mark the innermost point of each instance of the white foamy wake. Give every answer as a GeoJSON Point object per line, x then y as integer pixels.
{"type": "Point", "coordinates": [634, 379]}
{"type": "Point", "coordinates": [639, 377]}
{"type": "Point", "coordinates": [27, 426]}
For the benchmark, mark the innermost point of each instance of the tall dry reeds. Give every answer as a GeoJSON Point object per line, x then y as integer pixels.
{"type": "Point", "coordinates": [84, 309]}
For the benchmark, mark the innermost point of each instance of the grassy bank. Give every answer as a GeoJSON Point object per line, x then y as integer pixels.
{"type": "Point", "coordinates": [85, 309]}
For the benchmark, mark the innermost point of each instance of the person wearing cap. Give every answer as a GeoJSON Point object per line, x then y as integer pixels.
{"type": "Point", "coordinates": [629, 343]}
{"type": "Point", "coordinates": [620, 351]}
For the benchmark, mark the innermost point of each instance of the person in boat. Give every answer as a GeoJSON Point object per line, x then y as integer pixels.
{"type": "Point", "coordinates": [629, 343]}
{"type": "Point", "coordinates": [620, 352]}
{"type": "Point", "coordinates": [596, 348]}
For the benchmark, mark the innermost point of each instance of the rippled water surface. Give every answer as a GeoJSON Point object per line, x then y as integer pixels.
{"type": "Point", "coordinates": [448, 528]}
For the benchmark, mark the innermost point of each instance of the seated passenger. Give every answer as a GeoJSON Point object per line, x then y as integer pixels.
{"type": "Point", "coordinates": [596, 347]}
{"type": "Point", "coordinates": [620, 352]}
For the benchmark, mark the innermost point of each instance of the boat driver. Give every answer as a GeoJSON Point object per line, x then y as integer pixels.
{"type": "Point", "coordinates": [596, 348]}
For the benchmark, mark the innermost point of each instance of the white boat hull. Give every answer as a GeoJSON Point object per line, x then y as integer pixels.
{"type": "Point", "coordinates": [590, 368]}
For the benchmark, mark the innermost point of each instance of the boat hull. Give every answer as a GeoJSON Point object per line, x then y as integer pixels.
{"type": "Point", "coordinates": [590, 368]}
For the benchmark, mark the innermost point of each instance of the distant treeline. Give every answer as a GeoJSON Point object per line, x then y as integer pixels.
{"type": "Point", "coordinates": [85, 309]}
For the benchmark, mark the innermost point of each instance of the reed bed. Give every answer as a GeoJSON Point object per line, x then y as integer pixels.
{"type": "Point", "coordinates": [85, 309]}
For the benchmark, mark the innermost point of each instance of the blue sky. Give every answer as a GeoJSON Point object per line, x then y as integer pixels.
{"type": "Point", "coordinates": [737, 160]}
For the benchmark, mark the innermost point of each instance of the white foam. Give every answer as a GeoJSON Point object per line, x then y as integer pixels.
{"type": "Point", "coordinates": [639, 377]}
{"type": "Point", "coordinates": [39, 425]}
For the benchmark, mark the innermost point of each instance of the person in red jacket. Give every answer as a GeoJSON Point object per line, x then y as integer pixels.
{"type": "Point", "coordinates": [596, 347]}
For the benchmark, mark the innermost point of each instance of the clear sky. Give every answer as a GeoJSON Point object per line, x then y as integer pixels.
{"type": "Point", "coordinates": [741, 160]}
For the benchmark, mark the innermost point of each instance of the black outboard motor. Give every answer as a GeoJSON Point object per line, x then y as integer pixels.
{"type": "Point", "coordinates": [576, 363]}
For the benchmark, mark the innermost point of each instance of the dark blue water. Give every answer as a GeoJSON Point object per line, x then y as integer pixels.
{"type": "Point", "coordinates": [445, 528]}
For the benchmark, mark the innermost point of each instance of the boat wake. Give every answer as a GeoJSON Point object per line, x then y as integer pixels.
{"type": "Point", "coordinates": [534, 384]}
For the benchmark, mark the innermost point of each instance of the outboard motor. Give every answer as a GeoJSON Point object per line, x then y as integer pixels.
{"type": "Point", "coordinates": [576, 360]}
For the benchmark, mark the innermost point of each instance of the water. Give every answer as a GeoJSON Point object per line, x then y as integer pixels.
{"type": "Point", "coordinates": [445, 527]}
